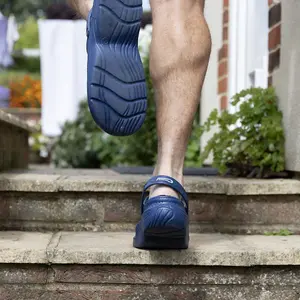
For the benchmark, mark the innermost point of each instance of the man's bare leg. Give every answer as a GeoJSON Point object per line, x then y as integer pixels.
{"type": "Point", "coordinates": [179, 57]}
{"type": "Point", "coordinates": [81, 6]}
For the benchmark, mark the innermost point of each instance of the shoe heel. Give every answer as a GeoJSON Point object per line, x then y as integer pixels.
{"type": "Point", "coordinates": [164, 242]}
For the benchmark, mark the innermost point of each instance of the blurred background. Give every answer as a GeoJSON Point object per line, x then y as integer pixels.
{"type": "Point", "coordinates": [43, 79]}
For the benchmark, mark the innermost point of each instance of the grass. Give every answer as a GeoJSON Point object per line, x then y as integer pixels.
{"type": "Point", "coordinates": [281, 232]}
{"type": "Point", "coordinates": [11, 75]}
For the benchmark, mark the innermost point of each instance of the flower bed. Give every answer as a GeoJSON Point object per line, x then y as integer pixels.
{"type": "Point", "coordinates": [26, 93]}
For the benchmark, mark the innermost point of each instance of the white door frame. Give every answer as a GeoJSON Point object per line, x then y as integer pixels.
{"type": "Point", "coordinates": [248, 45]}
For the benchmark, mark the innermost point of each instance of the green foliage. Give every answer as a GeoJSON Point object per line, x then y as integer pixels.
{"type": "Point", "coordinates": [192, 156]}
{"type": "Point", "coordinates": [22, 9]}
{"type": "Point", "coordinates": [8, 76]}
{"type": "Point", "coordinates": [250, 139]}
{"type": "Point", "coordinates": [83, 145]}
{"type": "Point", "coordinates": [281, 232]}
{"type": "Point", "coordinates": [28, 64]}
{"type": "Point", "coordinates": [29, 35]}
{"type": "Point", "coordinates": [38, 142]}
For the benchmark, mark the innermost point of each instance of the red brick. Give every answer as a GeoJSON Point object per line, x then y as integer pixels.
{"type": "Point", "coordinates": [274, 60]}
{"type": "Point", "coordinates": [222, 86]}
{"type": "Point", "coordinates": [23, 274]}
{"type": "Point", "coordinates": [105, 274]}
{"type": "Point", "coordinates": [275, 15]}
{"type": "Point", "coordinates": [122, 210]}
{"type": "Point", "coordinates": [225, 33]}
{"type": "Point", "coordinates": [223, 68]}
{"type": "Point", "coordinates": [223, 52]}
{"type": "Point", "coordinates": [224, 102]}
{"type": "Point", "coordinates": [225, 16]}
{"type": "Point", "coordinates": [274, 37]}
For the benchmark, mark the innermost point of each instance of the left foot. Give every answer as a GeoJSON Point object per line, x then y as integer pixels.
{"type": "Point", "coordinates": [116, 80]}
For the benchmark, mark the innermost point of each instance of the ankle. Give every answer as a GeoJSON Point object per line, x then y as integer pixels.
{"type": "Point", "coordinates": [159, 190]}
{"type": "Point", "coordinates": [176, 174]}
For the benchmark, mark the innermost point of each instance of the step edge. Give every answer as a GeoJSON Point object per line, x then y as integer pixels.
{"type": "Point", "coordinates": [129, 184]}
{"type": "Point", "coordinates": [225, 250]}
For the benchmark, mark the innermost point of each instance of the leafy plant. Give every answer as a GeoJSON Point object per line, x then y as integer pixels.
{"type": "Point", "coordinates": [29, 35]}
{"type": "Point", "coordinates": [38, 142]}
{"type": "Point", "coordinates": [82, 144]}
{"type": "Point", "coordinates": [250, 141]}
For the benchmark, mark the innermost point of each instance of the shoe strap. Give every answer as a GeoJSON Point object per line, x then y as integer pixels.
{"type": "Point", "coordinates": [169, 182]}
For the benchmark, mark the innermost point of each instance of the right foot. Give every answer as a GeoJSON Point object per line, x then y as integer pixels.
{"type": "Point", "coordinates": [165, 222]}
{"type": "Point", "coordinates": [116, 81]}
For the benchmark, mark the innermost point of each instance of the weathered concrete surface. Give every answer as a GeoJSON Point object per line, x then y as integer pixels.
{"type": "Point", "coordinates": [23, 247]}
{"type": "Point", "coordinates": [13, 120]}
{"type": "Point", "coordinates": [108, 211]}
{"type": "Point", "coordinates": [205, 250]}
{"type": "Point", "coordinates": [103, 201]}
{"type": "Point", "coordinates": [116, 248]}
{"type": "Point", "coordinates": [95, 266]}
{"type": "Point", "coordinates": [133, 183]}
{"type": "Point", "coordinates": [94, 282]}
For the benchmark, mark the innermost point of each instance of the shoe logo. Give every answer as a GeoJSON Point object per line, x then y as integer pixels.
{"type": "Point", "coordinates": [164, 179]}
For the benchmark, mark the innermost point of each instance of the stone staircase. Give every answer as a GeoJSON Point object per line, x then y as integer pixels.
{"type": "Point", "coordinates": [68, 235]}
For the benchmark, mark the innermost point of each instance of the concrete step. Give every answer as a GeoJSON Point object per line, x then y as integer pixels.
{"type": "Point", "coordinates": [94, 265]}
{"type": "Point", "coordinates": [108, 202]}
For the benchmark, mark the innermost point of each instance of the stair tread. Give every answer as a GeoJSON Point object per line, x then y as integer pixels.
{"type": "Point", "coordinates": [106, 181]}
{"type": "Point", "coordinates": [116, 248]}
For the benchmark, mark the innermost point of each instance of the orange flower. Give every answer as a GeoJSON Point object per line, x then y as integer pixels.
{"type": "Point", "coordinates": [26, 93]}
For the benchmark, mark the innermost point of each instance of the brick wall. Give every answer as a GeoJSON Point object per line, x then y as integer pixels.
{"type": "Point", "coordinates": [274, 48]}
{"type": "Point", "coordinates": [115, 282]}
{"type": "Point", "coordinates": [14, 148]}
{"type": "Point", "coordinates": [223, 60]}
{"type": "Point", "coordinates": [274, 37]}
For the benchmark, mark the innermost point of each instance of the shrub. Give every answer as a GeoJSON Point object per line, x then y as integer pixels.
{"type": "Point", "coordinates": [83, 145]}
{"type": "Point", "coordinates": [26, 93]}
{"type": "Point", "coordinates": [39, 144]}
{"type": "Point", "coordinates": [29, 35]}
{"type": "Point", "coordinates": [250, 141]}
{"type": "Point", "coordinates": [28, 64]}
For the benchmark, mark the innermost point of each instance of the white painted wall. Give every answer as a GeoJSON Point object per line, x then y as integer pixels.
{"type": "Point", "coordinates": [146, 5]}
{"type": "Point", "coordinates": [286, 81]}
{"type": "Point", "coordinates": [210, 99]}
